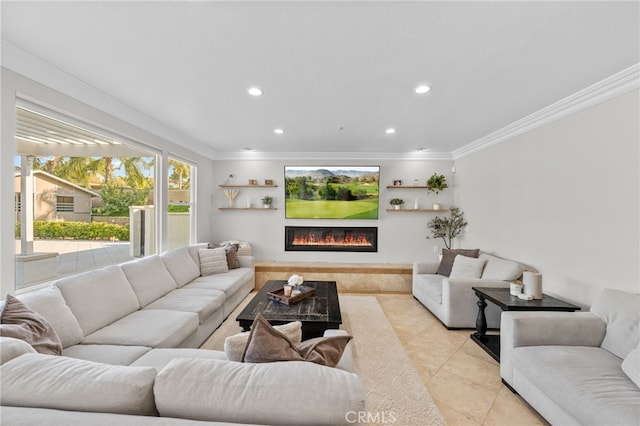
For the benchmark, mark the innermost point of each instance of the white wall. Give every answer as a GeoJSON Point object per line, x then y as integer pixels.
{"type": "Point", "coordinates": [401, 236]}
{"type": "Point", "coordinates": [563, 198]}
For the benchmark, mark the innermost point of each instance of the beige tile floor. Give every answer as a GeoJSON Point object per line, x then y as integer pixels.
{"type": "Point", "coordinates": [462, 379]}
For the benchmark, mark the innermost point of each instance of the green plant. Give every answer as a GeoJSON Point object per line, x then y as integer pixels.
{"type": "Point", "coordinates": [78, 231]}
{"type": "Point", "coordinates": [447, 228]}
{"type": "Point", "coordinates": [437, 183]}
{"type": "Point", "coordinates": [396, 201]}
{"type": "Point", "coordinates": [267, 200]}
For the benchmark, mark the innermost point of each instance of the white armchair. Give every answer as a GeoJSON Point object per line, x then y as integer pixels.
{"type": "Point", "coordinates": [452, 300]}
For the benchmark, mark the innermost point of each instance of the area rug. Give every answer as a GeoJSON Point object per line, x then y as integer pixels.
{"type": "Point", "coordinates": [396, 393]}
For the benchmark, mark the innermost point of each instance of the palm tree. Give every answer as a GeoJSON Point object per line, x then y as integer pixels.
{"type": "Point", "coordinates": [180, 171]}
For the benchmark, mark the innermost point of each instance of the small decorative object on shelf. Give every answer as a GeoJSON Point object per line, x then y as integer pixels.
{"type": "Point", "coordinates": [416, 204]}
{"type": "Point", "coordinates": [253, 182]}
{"type": "Point", "coordinates": [229, 180]}
{"type": "Point", "coordinates": [435, 184]}
{"type": "Point", "coordinates": [248, 202]}
{"type": "Point", "coordinates": [266, 201]}
{"type": "Point", "coordinates": [231, 195]}
{"type": "Point", "coordinates": [268, 182]}
{"type": "Point", "coordinates": [397, 182]}
{"type": "Point", "coordinates": [396, 203]}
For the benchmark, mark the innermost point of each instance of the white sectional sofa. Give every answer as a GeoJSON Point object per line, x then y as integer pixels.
{"type": "Point", "coordinates": [452, 300]}
{"type": "Point", "coordinates": [129, 334]}
{"type": "Point", "coordinates": [577, 368]}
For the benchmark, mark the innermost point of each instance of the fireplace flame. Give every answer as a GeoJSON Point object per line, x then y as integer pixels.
{"type": "Point", "coordinates": [328, 238]}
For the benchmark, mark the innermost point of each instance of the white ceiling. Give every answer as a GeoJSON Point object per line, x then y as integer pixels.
{"type": "Point", "coordinates": [335, 75]}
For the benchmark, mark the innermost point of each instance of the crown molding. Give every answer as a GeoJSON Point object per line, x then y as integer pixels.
{"type": "Point", "coordinates": [615, 85]}
{"type": "Point", "coordinates": [333, 156]}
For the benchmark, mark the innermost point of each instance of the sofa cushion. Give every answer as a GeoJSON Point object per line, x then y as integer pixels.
{"type": "Point", "coordinates": [631, 365]}
{"type": "Point", "coordinates": [235, 345]}
{"type": "Point", "coordinates": [229, 385]}
{"type": "Point", "coordinates": [11, 348]}
{"type": "Point", "coordinates": [98, 298]}
{"type": "Point", "coordinates": [500, 269]}
{"type": "Point", "coordinates": [467, 267]}
{"type": "Point", "coordinates": [587, 382]}
{"type": "Point", "coordinates": [621, 312]}
{"type": "Point", "coordinates": [213, 261]}
{"type": "Point", "coordinates": [229, 283]}
{"type": "Point", "coordinates": [107, 354]}
{"type": "Point", "coordinates": [194, 251]}
{"type": "Point", "coordinates": [200, 301]}
{"type": "Point", "coordinates": [23, 416]}
{"type": "Point", "coordinates": [149, 278]}
{"type": "Point", "coordinates": [36, 380]}
{"type": "Point", "coordinates": [267, 344]}
{"type": "Point", "coordinates": [20, 322]}
{"type": "Point", "coordinates": [49, 303]}
{"type": "Point", "coordinates": [180, 265]}
{"type": "Point", "coordinates": [158, 358]}
{"type": "Point", "coordinates": [448, 256]}
{"type": "Point", "coordinates": [148, 327]}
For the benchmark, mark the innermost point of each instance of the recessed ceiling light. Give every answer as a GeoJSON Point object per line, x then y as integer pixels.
{"type": "Point", "coordinates": [247, 149]}
{"type": "Point", "coordinates": [278, 131]}
{"type": "Point", "coordinates": [255, 91]}
{"type": "Point", "coordinates": [390, 131]}
{"type": "Point", "coordinates": [421, 149]}
{"type": "Point", "coordinates": [422, 89]}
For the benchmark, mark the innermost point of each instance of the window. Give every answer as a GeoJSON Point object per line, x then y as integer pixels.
{"type": "Point", "coordinates": [64, 204]}
{"type": "Point", "coordinates": [180, 206]}
{"type": "Point", "coordinates": [87, 187]}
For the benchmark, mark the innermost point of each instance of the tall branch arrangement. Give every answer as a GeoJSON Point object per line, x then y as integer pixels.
{"type": "Point", "coordinates": [447, 228]}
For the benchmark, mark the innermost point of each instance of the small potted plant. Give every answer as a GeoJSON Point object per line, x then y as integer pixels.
{"type": "Point", "coordinates": [266, 201]}
{"type": "Point", "coordinates": [396, 203]}
{"type": "Point", "coordinates": [435, 184]}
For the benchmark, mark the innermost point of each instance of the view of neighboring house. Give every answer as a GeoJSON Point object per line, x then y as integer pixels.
{"type": "Point", "coordinates": [56, 199]}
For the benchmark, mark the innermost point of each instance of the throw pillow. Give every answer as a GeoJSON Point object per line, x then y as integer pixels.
{"type": "Point", "coordinates": [448, 256]}
{"type": "Point", "coordinates": [234, 345]}
{"type": "Point", "coordinates": [233, 262]}
{"type": "Point", "coordinates": [269, 345]}
{"type": "Point", "coordinates": [20, 322]}
{"type": "Point", "coordinates": [467, 267]}
{"type": "Point", "coordinates": [631, 365]}
{"type": "Point", "coordinates": [213, 261]}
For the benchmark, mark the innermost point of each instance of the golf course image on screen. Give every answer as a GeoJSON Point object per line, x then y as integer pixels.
{"type": "Point", "coordinates": [331, 192]}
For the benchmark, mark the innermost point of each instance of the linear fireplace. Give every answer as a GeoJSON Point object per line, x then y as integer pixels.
{"type": "Point", "coordinates": [331, 238]}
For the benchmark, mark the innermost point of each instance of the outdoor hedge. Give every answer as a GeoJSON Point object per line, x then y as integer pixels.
{"type": "Point", "coordinates": [77, 231]}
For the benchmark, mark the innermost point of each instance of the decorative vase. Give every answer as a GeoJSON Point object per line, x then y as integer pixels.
{"type": "Point", "coordinates": [397, 207]}
{"type": "Point", "coordinates": [266, 206]}
{"type": "Point", "coordinates": [230, 202]}
{"type": "Point", "coordinates": [436, 206]}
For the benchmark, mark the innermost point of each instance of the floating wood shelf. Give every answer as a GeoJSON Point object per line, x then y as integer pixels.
{"type": "Point", "coordinates": [418, 210]}
{"type": "Point", "coordinates": [407, 187]}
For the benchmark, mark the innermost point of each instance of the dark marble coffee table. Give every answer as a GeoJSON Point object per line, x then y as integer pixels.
{"type": "Point", "coordinates": [316, 313]}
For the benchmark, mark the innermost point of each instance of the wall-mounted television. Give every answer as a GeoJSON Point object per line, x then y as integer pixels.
{"type": "Point", "coordinates": [331, 192]}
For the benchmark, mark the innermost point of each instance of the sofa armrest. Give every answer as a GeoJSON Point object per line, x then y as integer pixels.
{"type": "Point", "coordinates": [461, 301]}
{"type": "Point", "coordinates": [346, 361]}
{"type": "Point", "coordinates": [421, 267]}
{"type": "Point", "coordinates": [546, 328]}
{"type": "Point", "coordinates": [247, 262]}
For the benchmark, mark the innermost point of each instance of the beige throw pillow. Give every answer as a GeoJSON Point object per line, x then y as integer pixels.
{"type": "Point", "coordinates": [448, 256]}
{"type": "Point", "coordinates": [20, 322]}
{"type": "Point", "coordinates": [467, 267]}
{"type": "Point", "coordinates": [269, 345]}
{"type": "Point", "coordinates": [213, 261]}
{"type": "Point", "coordinates": [235, 345]}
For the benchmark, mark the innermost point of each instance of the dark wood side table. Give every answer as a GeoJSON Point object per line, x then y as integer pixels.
{"type": "Point", "coordinates": [502, 297]}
